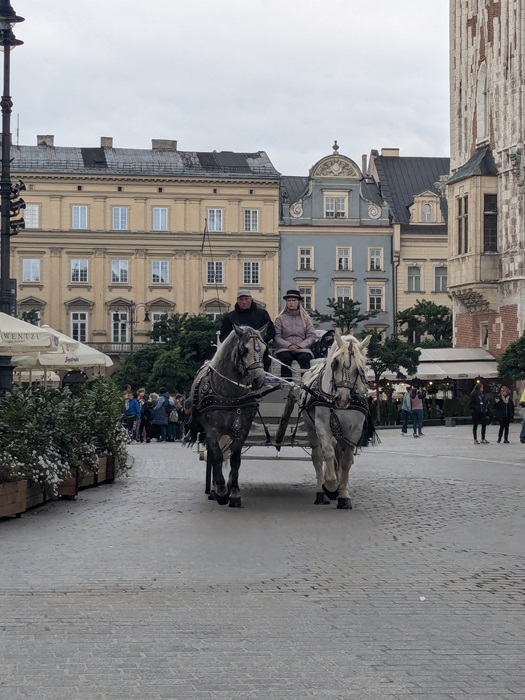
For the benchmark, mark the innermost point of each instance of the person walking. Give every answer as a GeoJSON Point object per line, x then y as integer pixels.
{"type": "Point", "coordinates": [504, 413]}
{"type": "Point", "coordinates": [478, 409]}
{"type": "Point", "coordinates": [294, 334]}
{"type": "Point", "coordinates": [406, 411]}
{"type": "Point", "coordinates": [416, 401]}
{"type": "Point", "coordinates": [247, 313]}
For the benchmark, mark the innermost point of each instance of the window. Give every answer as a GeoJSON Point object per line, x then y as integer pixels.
{"type": "Point", "coordinates": [308, 297]}
{"type": "Point", "coordinates": [426, 213]}
{"type": "Point", "coordinates": [344, 259]}
{"type": "Point", "coordinates": [30, 270]}
{"type": "Point", "coordinates": [251, 220]}
{"type": "Point", "coordinates": [79, 217]}
{"type": "Point", "coordinates": [79, 326]}
{"type": "Point", "coordinates": [214, 219]}
{"type": "Point", "coordinates": [343, 294]}
{"type": "Point", "coordinates": [159, 272]}
{"type": "Point", "coordinates": [375, 299]}
{"type": "Point", "coordinates": [375, 258]}
{"type": "Point", "coordinates": [120, 324]}
{"type": "Point", "coordinates": [334, 207]}
{"type": "Point", "coordinates": [462, 224]}
{"type": "Point", "coordinates": [490, 223]}
{"type": "Point", "coordinates": [214, 273]}
{"type": "Point", "coordinates": [441, 284]}
{"type": "Point", "coordinates": [79, 270]}
{"type": "Point", "coordinates": [120, 218]}
{"type": "Point", "coordinates": [484, 335]}
{"type": "Point", "coordinates": [119, 272]}
{"type": "Point", "coordinates": [414, 279]}
{"type": "Point", "coordinates": [160, 219]}
{"type": "Point", "coordinates": [250, 273]}
{"type": "Point", "coordinates": [305, 258]}
{"type": "Point", "coordinates": [32, 216]}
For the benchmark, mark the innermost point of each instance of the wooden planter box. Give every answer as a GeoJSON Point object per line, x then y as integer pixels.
{"type": "Point", "coordinates": [102, 471]}
{"type": "Point", "coordinates": [35, 495]}
{"type": "Point", "coordinates": [87, 479]}
{"type": "Point", "coordinates": [13, 498]}
{"type": "Point", "coordinates": [69, 487]}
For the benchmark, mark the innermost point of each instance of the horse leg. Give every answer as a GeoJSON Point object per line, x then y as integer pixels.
{"type": "Point", "coordinates": [331, 481]}
{"type": "Point", "coordinates": [220, 490]}
{"type": "Point", "coordinates": [233, 481]}
{"type": "Point", "coordinates": [345, 462]}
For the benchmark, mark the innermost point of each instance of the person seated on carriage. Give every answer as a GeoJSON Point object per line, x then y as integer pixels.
{"type": "Point", "coordinates": [294, 334]}
{"type": "Point", "coordinates": [247, 313]}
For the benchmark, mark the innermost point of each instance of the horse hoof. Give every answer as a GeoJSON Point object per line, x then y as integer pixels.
{"type": "Point", "coordinates": [235, 502]}
{"type": "Point", "coordinates": [321, 499]}
{"type": "Point", "coordinates": [344, 504]}
{"type": "Point", "coordinates": [222, 500]}
{"type": "Point", "coordinates": [211, 497]}
{"type": "Point", "coordinates": [332, 495]}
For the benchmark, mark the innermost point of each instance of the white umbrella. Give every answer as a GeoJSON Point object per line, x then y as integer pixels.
{"type": "Point", "coordinates": [81, 356]}
{"type": "Point", "coordinates": [17, 337]}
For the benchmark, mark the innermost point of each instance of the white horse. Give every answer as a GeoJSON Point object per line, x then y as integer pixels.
{"type": "Point", "coordinates": [335, 405]}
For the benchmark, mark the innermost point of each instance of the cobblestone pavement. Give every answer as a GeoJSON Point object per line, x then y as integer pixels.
{"type": "Point", "coordinates": [145, 590]}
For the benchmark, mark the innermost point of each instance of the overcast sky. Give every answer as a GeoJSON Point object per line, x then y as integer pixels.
{"type": "Point", "coordinates": [284, 76]}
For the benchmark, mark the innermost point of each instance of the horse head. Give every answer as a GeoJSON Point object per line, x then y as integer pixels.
{"type": "Point", "coordinates": [248, 355]}
{"type": "Point", "coordinates": [346, 367]}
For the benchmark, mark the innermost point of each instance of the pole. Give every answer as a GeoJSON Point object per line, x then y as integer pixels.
{"type": "Point", "coordinates": [131, 323]}
{"type": "Point", "coordinates": [6, 367]}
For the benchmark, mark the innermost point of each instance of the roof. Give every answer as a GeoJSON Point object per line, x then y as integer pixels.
{"type": "Point", "coordinates": [456, 363]}
{"type": "Point", "coordinates": [135, 161]}
{"type": "Point", "coordinates": [402, 178]}
{"type": "Point", "coordinates": [293, 186]}
{"type": "Point", "coordinates": [481, 163]}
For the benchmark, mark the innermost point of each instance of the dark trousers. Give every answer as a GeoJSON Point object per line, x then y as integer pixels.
{"type": "Point", "coordinates": [406, 420]}
{"type": "Point", "coordinates": [504, 429]}
{"type": "Point", "coordinates": [479, 419]}
{"type": "Point", "coordinates": [303, 358]}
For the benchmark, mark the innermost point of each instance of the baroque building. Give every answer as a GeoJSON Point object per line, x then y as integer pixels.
{"type": "Point", "coordinates": [112, 233]}
{"type": "Point", "coordinates": [487, 185]}
{"type": "Point", "coordinates": [336, 239]}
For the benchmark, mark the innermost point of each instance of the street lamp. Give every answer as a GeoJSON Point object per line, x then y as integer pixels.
{"type": "Point", "coordinates": [133, 320]}
{"type": "Point", "coordinates": [8, 41]}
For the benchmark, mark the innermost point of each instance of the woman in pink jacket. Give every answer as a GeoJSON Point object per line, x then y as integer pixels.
{"type": "Point", "coordinates": [294, 334]}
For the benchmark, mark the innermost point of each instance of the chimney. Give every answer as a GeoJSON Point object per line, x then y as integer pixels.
{"type": "Point", "coordinates": [363, 165]}
{"type": "Point", "coordinates": [106, 142]}
{"type": "Point", "coordinates": [390, 152]}
{"type": "Point", "coordinates": [47, 140]}
{"type": "Point", "coordinates": [163, 145]}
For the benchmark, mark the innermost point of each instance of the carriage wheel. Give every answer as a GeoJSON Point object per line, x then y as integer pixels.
{"type": "Point", "coordinates": [207, 485]}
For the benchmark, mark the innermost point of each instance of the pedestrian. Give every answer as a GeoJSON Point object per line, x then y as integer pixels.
{"type": "Point", "coordinates": [522, 404]}
{"type": "Point", "coordinates": [417, 397]}
{"type": "Point", "coordinates": [146, 415]}
{"type": "Point", "coordinates": [132, 414]}
{"type": "Point", "coordinates": [406, 411]}
{"type": "Point", "coordinates": [161, 412]}
{"type": "Point", "coordinates": [478, 408]}
{"type": "Point", "coordinates": [294, 334]}
{"type": "Point", "coordinates": [504, 413]}
{"type": "Point", "coordinates": [247, 313]}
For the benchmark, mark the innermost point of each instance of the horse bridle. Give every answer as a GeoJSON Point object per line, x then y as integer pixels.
{"type": "Point", "coordinates": [258, 364]}
{"type": "Point", "coordinates": [346, 382]}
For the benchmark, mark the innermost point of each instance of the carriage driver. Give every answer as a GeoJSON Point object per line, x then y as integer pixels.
{"type": "Point", "coordinates": [247, 313]}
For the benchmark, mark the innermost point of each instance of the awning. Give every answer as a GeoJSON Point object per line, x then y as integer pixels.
{"type": "Point", "coordinates": [430, 370]}
{"type": "Point", "coordinates": [470, 370]}
{"type": "Point", "coordinates": [456, 363]}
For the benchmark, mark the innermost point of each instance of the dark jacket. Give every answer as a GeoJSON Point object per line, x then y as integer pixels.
{"type": "Point", "coordinates": [161, 410]}
{"type": "Point", "coordinates": [254, 317]}
{"type": "Point", "coordinates": [146, 412]}
{"type": "Point", "coordinates": [478, 404]}
{"type": "Point", "coordinates": [504, 411]}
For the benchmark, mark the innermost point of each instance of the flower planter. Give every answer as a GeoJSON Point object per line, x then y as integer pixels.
{"type": "Point", "coordinates": [111, 468]}
{"type": "Point", "coordinates": [13, 498]}
{"type": "Point", "coordinates": [87, 479]}
{"type": "Point", "coordinates": [102, 470]}
{"type": "Point", "coordinates": [35, 495]}
{"type": "Point", "coordinates": [69, 487]}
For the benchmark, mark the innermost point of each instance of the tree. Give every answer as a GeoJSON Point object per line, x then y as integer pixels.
{"type": "Point", "coordinates": [168, 329]}
{"type": "Point", "coordinates": [173, 371]}
{"type": "Point", "coordinates": [393, 355]}
{"type": "Point", "coordinates": [512, 363]}
{"type": "Point", "coordinates": [346, 315]}
{"type": "Point", "coordinates": [427, 320]}
{"type": "Point", "coordinates": [137, 367]}
{"type": "Point", "coordinates": [30, 317]}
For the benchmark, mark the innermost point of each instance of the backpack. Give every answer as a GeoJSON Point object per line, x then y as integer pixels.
{"type": "Point", "coordinates": [173, 416]}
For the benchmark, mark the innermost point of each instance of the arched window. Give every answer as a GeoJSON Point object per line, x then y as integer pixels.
{"type": "Point", "coordinates": [427, 213]}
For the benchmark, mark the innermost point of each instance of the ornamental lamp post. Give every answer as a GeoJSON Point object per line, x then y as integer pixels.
{"type": "Point", "coordinates": [8, 41]}
{"type": "Point", "coordinates": [133, 320]}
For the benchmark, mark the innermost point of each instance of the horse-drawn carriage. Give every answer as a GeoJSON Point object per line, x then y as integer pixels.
{"type": "Point", "coordinates": [236, 405]}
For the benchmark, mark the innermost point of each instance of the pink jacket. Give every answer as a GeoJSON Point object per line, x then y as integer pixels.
{"type": "Point", "coordinates": [292, 329]}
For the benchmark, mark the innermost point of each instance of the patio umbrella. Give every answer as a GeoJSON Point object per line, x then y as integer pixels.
{"type": "Point", "coordinates": [18, 337]}
{"type": "Point", "coordinates": [80, 356]}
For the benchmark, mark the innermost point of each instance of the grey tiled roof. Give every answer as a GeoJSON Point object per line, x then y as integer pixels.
{"type": "Point", "coordinates": [481, 163]}
{"type": "Point", "coordinates": [293, 187]}
{"type": "Point", "coordinates": [401, 178]}
{"type": "Point", "coordinates": [134, 161]}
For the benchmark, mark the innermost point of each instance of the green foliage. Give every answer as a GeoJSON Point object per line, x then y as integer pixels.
{"type": "Point", "coordinates": [512, 363]}
{"type": "Point", "coordinates": [456, 406]}
{"type": "Point", "coordinates": [346, 315]}
{"type": "Point", "coordinates": [427, 320]}
{"type": "Point", "coordinates": [392, 355]}
{"type": "Point", "coordinates": [192, 336]}
{"type": "Point", "coordinates": [30, 317]}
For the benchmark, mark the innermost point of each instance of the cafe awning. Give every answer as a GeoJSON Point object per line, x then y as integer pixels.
{"type": "Point", "coordinates": [457, 363]}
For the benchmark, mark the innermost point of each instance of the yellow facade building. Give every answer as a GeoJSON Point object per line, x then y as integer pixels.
{"type": "Point", "coordinates": [112, 233]}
